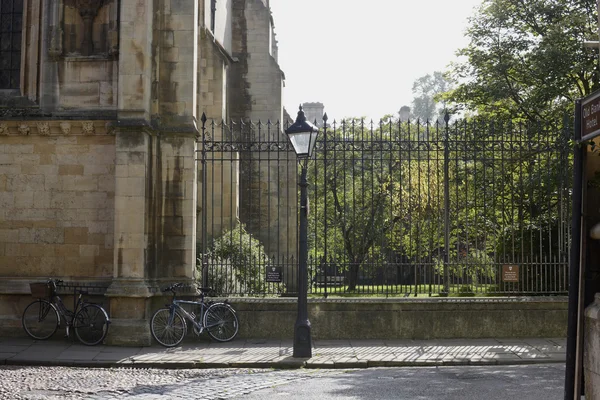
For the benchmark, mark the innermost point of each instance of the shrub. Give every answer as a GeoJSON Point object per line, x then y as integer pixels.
{"type": "Point", "coordinates": [465, 291]}
{"type": "Point", "coordinates": [237, 263]}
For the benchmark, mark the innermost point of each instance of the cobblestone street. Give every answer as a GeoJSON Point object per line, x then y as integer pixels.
{"type": "Point", "coordinates": [34, 383]}
{"type": "Point", "coordinates": [525, 382]}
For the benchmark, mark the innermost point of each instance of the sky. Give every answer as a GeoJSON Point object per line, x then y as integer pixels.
{"type": "Point", "coordinates": [360, 58]}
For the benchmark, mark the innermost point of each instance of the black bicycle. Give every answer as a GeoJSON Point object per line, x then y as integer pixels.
{"type": "Point", "coordinates": [168, 324]}
{"type": "Point", "coordinates": [41, 318]}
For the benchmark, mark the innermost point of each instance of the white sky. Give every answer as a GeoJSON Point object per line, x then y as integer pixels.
{"type": "Point", "coordinates": [360, 58]}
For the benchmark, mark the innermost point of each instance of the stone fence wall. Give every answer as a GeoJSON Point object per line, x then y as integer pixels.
{"type": "Point", "coordinates": [382, 318]}
{"type": "Point", "coordinates": [407, 319]}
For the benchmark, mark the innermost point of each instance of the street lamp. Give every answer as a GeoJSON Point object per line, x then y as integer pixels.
{"type": "Point", "coordinates": [303, 136]}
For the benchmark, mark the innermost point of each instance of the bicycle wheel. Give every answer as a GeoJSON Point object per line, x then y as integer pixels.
{"type": "Point", "coordinates": [91, 324]}
{"type": "Point", "coordinates": [168, 327]}
{"type": "Point", "coordinates": [221, 322]}
{"type": "Point", "coordinates": [40, 319]}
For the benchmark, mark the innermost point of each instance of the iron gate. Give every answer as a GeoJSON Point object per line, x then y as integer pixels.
{"type": "Point", "coordinates": [396, 209]}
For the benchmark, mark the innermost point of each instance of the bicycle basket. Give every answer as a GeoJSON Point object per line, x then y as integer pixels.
{"type": "Point", "coordinates": [40, 290]}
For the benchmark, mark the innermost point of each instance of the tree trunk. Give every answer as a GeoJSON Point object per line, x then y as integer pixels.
{"type": "Point", "coordinates": [353, 275]}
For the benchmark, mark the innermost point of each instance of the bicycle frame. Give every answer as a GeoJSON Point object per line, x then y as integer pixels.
{"type": "Point", "coordinates": [63, 311]}
{"type": "Point", "coordinates": [176, 306]}
{"type": "Point", "coordinates": [169, 327]}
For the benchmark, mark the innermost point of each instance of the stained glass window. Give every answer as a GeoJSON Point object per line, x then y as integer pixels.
{"type": "Point", "coordinates": [11, 21]}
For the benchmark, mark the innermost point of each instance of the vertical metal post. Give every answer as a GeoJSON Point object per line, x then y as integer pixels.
{"type": "Point", "coordinates": [302, 335]}
{"type": "Point", "coordinates": [204, 206]}
{"type": "Point", "coordinates": [446, 208]}
{"type": "Point", "coordinates": [598, 9]}
{"type": "Point", "coordinates": [325, 272]}
{"type": "Point", "coordinates": [572, 377]}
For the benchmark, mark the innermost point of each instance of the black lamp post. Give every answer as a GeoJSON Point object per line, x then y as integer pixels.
{"type": "Point", "coordinates": [303, 136]}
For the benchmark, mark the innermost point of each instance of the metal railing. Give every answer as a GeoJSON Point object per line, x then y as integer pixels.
{"type": "Point", "coordinates": [396, 209]}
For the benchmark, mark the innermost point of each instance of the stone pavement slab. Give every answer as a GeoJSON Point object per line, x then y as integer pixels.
{"type": "Point", "coordinates": [260, 353]}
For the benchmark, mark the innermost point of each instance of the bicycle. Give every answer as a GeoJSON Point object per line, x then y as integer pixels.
{"type": "Point", "coordinates": [42, 317]}
{"type": "Point", "coordinates": [168, 325]}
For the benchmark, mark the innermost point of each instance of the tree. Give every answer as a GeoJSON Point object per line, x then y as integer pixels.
{"type": "Point", "coordinates": [385, 194]}
{"type": "Point", "coordinates": [379, 199]}
{"type": "Point", "coordinates": [353, 203]}
{"type": "Point", "coordinates": [426, 103]}
{"type": "Point", "coordinates": [526, 59]}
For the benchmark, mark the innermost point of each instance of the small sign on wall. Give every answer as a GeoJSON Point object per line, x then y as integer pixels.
{"type": "Point", "coordinates": [275, 274]}
{"type": "Point", "coordinates": [510, 273]}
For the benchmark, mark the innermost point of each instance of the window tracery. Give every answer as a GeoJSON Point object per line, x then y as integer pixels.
{"type": "Point", "coordinates": [11, 25]}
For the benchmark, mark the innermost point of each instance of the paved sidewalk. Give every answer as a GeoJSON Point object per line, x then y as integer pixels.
{"type": "Point", "coordinates": [258, 353]}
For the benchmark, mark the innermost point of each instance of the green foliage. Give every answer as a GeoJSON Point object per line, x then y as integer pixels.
{"type": "Point", "coordinates": [472, 265]}
{"type": "Point", "coordinates": [381, 199]}
{"type": "Point", "coordinates": [237, 260]}
{"type": "Point", "coordinates": [525, 59]}
{"type": "Point", "coordinates": [427, 105]}
{"type": "Point", "coordinates": [465, 291]}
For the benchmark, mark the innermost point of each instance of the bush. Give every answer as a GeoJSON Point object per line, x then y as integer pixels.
{"type": "Point", "coordinates": [237, 263]}
{"type": "Point", "coordinates": [466, 291]}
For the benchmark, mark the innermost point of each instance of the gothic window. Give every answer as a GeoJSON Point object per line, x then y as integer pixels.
{"type": "Point", "coordinates": [11, 21]}
{"type": "Point", "coordinates": [213, 15]}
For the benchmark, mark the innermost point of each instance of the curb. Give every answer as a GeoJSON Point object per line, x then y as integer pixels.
{"type": "Point", "coordinates": [292, 364]}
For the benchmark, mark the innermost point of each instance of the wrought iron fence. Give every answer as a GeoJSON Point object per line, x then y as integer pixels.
{"type": "Point", "coordinates": [396, 209]}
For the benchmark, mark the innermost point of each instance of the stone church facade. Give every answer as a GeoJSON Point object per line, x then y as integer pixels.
{"type": "Point", "coordinates": [100, 104]}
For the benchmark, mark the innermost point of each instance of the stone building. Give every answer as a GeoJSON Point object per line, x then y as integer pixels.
{"type": "Point", "coordinates": [314, 113]}
{"type": "Point", "coordinates": [99, 103]}
{"type": "Point", "coordinates": [240, 80]}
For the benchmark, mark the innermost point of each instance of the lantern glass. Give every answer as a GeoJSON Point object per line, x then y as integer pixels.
{"type": "Point", "coordinates": [304, 143]}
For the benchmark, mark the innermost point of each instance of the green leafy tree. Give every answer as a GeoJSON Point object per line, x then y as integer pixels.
{"type": "Point", "coordinates": [354, 204]}
{"type": "Point", "coordinates": [377, 196]}
{"type": "Point", "coordinates": [526, 59]}
{"type": "Point", "coordinates": [427, 104]}
{"type": "Point", "coordinates": [380, 191]}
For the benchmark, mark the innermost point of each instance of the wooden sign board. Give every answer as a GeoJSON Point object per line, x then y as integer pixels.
{"type": "Point", "coordinates": [510, 273]}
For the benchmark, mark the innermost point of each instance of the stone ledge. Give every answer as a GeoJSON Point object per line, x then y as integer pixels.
{"type": "Point", "coordinates": [404, 300]}
{"type": "Point", "coordinates": [55, 127]}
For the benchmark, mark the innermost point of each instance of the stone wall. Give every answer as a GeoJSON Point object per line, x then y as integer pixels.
{"type": "Point", "coordinates": [406, 319]}
{"type": "Point", "coordinates": [84, 204]}
{"type": "Point", "coordinates": [79, 53]}
{"type": "Point", "coordinates": [257, 80]}
{"type": "Point", "coordinates": [212, 71]}
{"type": "Point", "coordinates": [379, 319]}
{"type": "Point", "coordinates": [591, 347]}
{"type": "Point", "coordinates": [86, 82]}
{"type": "Point", "coordinates": [176, 58]}
{"type": "Point", "coordinates": [56, 199]}
{"type": "Point", "coordinates": [268, 190]}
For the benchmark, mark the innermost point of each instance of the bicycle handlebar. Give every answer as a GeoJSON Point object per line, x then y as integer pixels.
{"type": "Point", "coordinates": [173, 287]}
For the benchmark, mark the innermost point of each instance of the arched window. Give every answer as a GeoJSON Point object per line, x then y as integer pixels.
{"type": "Point", "coordinates": [11, 24]}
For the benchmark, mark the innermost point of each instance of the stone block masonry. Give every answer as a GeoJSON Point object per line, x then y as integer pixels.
{"type": "Point", "coordinates": [119, 208]}
{"type": "Point", "coordinates": [419, 319]}
{"type": "Point", "coordinates": [57, 197]}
